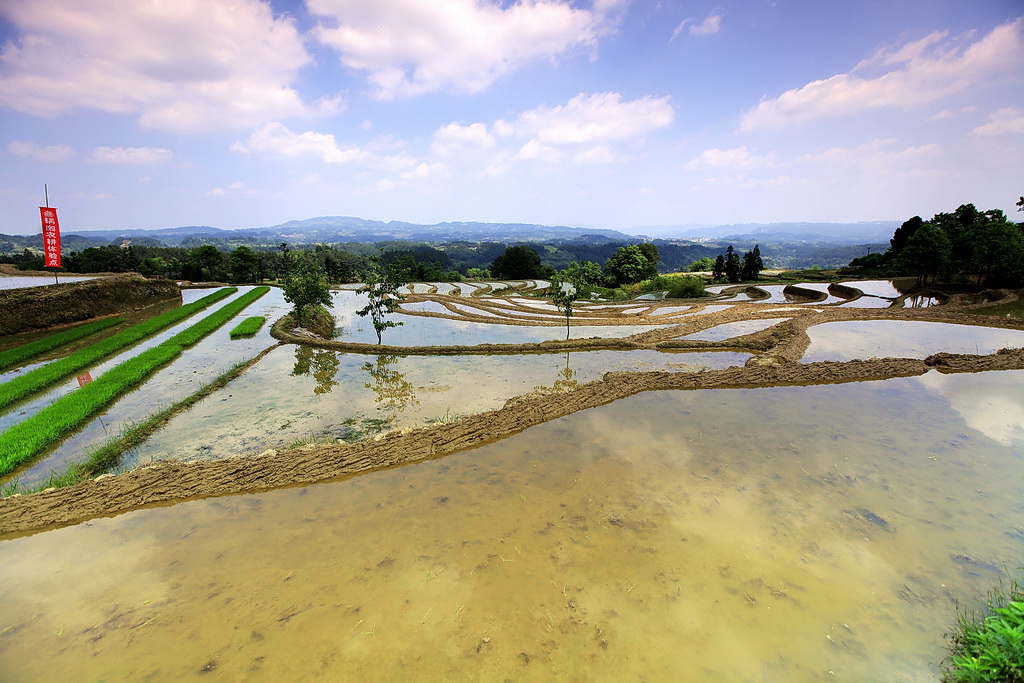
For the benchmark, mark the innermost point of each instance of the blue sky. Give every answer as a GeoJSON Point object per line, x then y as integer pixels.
{"type": "Point", "coordinates": [599, 113]}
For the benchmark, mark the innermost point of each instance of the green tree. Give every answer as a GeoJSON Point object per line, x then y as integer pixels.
{"type": "Point", "coordinates": [564, 290]}
{"type": "Point", "coordinates": [382, 294]}
{"type": "Point", "coordinates": [926, 253]}
{"type": "Point", "coordinates": [629, 264]}
{"type": "Point", "coordinates": [519, 262]}
{"type": "Point", "coordinates": [478, 274]}
{"type": "Point", "coordinates": [583, 273]}
{"type": "Point", "coordinates": [701, 265]}
{"type": "Point", "coordinates": [752, 264]}
{"type": "Point", "coordinates": [209, 261]}
{"type": "Point", "coordinates": [733, 267]}
{"type": "Point", "coordinates": [308, 287]}
{"type": "Point", "coordinates": [245, 265]}
{"type": "Point", "coordinates": [718, 272]}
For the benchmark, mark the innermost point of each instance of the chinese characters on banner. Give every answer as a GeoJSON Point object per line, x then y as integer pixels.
{"type": "Point", "coordinates": [51, 237]}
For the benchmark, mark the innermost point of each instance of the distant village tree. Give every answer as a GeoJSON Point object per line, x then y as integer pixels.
{"type": "Point", "coordinates": [518, 262]}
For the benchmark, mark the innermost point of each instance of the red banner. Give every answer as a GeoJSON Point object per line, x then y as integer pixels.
{"type": "Point", "coordinates": [84, 379]}
{"type": "Point", "coordinates": [51, 237]}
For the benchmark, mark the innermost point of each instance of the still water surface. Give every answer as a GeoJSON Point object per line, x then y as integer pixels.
{"type": "Point", "coordinates": [786, 534]}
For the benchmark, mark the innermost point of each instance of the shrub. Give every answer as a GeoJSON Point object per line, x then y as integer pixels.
{"type": "Point", "coordinates": [990, 647]}
{"type": "Point", "coordinates": [678, 287]}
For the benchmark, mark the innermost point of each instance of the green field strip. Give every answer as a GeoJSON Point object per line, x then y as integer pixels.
{"type": "Point", "coordinates": [54, 422]}
{"type": "Point", "coordinates": [248, 327]}
{"type": "Point", "coordinates": [36, 380]}
{"type": "Point", "coordinates": [24, 352]}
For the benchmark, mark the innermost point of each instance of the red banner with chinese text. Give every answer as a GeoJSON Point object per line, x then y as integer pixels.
{"type": "Point", "coordinates": [51, 237]}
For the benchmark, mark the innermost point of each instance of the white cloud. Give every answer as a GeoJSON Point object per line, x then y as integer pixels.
{"type": "Point", "coordinates": [455, 138]}
{"type": "Point", "coordinates": [425, 170]}
{"type": "Point", "coordinates": [877, 156]}
{"type": "Point", "coordinates": [275, 139]}
{"type": "Point", "coordinates": [918, 73]}
{"type": "Point", "coordinates": [232, 189]}
{"type": "Point", "coordinates": [739, 158]}
{"type": "Point", "coordinates": [1003, 121]}
{"type": "Point", "coordinates": [50, 154]}
{"type": "Point", "coordinates": [185, 66]}
{"type": "Point", "coordinates": [708, 27]}
{"type": "Point", "coordinates": [590, 120]}
{"type": "Point", "coordinates": [131, 155]}
{"type": "Point", "coordinates": [411, 47]}
{"type": "Point", "coordinates": [599, 154]}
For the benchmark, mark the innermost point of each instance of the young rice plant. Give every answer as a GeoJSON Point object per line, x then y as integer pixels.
{"type": "Point", "coordinates": [26, 351]}
{"type": "Point", "coordinates": [33, 435]}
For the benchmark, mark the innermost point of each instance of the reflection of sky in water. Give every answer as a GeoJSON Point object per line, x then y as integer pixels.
{"type": "Point", "coordinates": [736, 329]}
{"type": "Point", "coordinates": [874, 287]}
{"type": "Point", "coordinates": [273, 404]}
{"type": "Point", "coordinates": [847, 340]}
{"type": "Point", "coordinates": [996, 409]}
{"type": "Point", "coordinates": [23, 281]}
{"type": "Point", "coordinates": [726, 535]}
{"type": "Point", "coordinates": [420, 331]}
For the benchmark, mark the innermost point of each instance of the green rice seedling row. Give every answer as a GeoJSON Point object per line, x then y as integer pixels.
{"type": "Point", "coordinates": [51, 373]}
{"type": "Point", "coordinates": [248, 327]}
{"type": "Point", "coordinates": [32, 436]}
{"type": "Point", "coordinates": [24, 352]}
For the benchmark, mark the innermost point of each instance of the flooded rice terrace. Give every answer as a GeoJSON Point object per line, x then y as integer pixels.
{"type": "Point", "coordinates": [771, 534]}
{"type": "Point", "coordinates": [715, 535]}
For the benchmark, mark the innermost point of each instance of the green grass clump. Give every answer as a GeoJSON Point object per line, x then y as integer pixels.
{"type": "Point", "coordinates": [62, 368]}
{"type": "Point", "coordinates": [248, 327]}
{"type": "Point", "coordinates": [33, 435]}
{"type": "Point", "coordinates": [677, 286]}
{"type": "Point", "coordinates": [26, 351]}
{"type": "Point", "coordinates": [990, 647]}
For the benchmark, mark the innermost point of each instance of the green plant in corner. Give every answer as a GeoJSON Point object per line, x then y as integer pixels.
{"type": "Point", "coordinates": [989, 647]}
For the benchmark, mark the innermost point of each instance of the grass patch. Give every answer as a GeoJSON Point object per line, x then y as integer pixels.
{"type": "Point", "coordinates": [62, 368]}
{"type": "Point", "coordinates": [248, 327]}
{"type": "Point", "coordinates": [24, 352]}
{"type": "Point", "coordinates": [32, 436]}
{"type": "Point", "coordinates": [990, 646]}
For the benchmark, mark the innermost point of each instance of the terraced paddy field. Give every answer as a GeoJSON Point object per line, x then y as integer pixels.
{"type": "Point", "coordinates": [634, 503]}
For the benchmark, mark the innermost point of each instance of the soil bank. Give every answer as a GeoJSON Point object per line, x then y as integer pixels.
{"type": "Point", "coordinates": [35, 308]}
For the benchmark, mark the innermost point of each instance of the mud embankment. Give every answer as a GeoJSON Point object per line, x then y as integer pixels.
{"type": "Point", "coordinates": [35, 308]}
{"type": "Point", "coordinates": [176, 481]}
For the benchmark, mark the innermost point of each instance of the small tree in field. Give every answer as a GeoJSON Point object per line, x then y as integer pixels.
{"type": "Point", "coordinates": [382, 298]}
{"type": "Point", "coordinates": [563, 295]}
{"type": "Point", "coordinates": [308, 288]}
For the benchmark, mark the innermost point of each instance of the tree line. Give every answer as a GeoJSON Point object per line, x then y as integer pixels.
{"type": "Point", "coordinates": [965, 246]}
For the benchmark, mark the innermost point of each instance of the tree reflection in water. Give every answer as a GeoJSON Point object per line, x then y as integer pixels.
{"type": "Point", "coordinates": [394, 392]}
{"type": "Point", "coordinates": [322, 364]}
{"type": "Point", "coordinates": [566, 380]}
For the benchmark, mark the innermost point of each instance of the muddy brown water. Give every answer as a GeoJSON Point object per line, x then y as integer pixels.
{"type": "Point", "coordinates": [778, 534]}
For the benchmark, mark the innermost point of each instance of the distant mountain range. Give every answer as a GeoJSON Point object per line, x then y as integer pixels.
{"type": "Point", "coordinates": [340, 229]}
